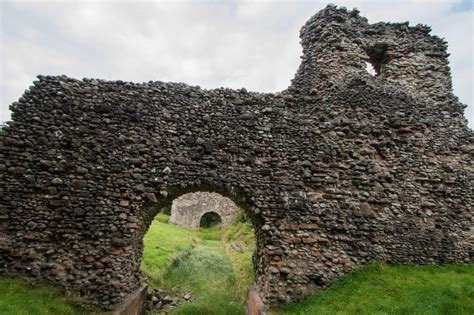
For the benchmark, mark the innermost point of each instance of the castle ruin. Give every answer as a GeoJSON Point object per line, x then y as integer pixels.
{"type": "Point", "coordinates": [340, 169]}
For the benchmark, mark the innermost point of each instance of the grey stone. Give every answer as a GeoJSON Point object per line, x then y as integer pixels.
{"type": "Point", "coordinates": [56, 181]}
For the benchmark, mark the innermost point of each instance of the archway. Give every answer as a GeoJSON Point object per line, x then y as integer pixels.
{"type": "Point", "coordinates": [188, 209]}
{"type": "Point", "coordinates": [210, 219]}
{"type": "Point", "coordinates": [179, 262]}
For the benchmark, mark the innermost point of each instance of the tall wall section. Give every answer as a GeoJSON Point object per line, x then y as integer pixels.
{"type": "Point", "coordinates": [339, 169]}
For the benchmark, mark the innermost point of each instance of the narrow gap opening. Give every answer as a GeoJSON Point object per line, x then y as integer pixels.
{"type": "Point", "coordinates": [377, 58]}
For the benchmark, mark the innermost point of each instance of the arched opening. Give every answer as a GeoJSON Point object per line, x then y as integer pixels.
{"type": "Point", "coordinates": [210, 219]}
{"type": "Point", "coordinates": [190, 265]}
{"type": "Point", "coordinates": [200, 209]}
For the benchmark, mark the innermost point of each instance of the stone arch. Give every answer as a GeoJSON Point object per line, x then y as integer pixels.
{"type": "Point", "coordinates": [243, 198]}
{"type": "Point", "coordinates": [188, 209]}
{"type": "Point", "coordinates": [210, 219]}
{"type": "Point", "coordinates": [163, 197]}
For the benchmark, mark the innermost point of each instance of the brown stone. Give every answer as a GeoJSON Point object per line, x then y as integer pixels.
{"type": "Point", "coordinates": [124, 203]}
{"type": "Point", "coordinates": [291, 240]}
{"type": "Point", "coordinates": [307, 226]}
{"type": "Point", "coordinates": [309, 240]}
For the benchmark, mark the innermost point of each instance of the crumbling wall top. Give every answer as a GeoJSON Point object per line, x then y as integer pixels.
{"type": "Point", "coordinates": [338, 43]}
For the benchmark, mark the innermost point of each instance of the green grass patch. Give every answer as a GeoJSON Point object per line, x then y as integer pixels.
{"type": "Point", "coordinates": [383, 289]}
{"type": "Point", "coordinates": [205, 271]}
{"type": "Point", "coordinates": [181, 261]}
{"type": "Point", "coordinates": [161, 243]}
{"type": "Point", "coordinates": [239, 244]}
{"type": "Point", "coordinates": [18, 297]}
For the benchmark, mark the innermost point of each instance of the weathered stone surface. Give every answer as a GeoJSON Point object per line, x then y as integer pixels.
{"type": "Point", "coordinates": [134, 304]}
{"type": "Point", "coordinates": [188, 209]}
{"type": "Point", "coordinates": [254, 304]}
{"type": "Point", "coordinates": [339, 169]}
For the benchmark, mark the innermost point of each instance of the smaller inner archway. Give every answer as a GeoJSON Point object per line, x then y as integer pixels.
{"type": "Point", "coordinates": [210, 219]}
{"type": "Point", "coordinates": [192, 210]}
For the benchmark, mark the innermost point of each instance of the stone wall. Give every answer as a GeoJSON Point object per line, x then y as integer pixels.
{"type": "Point", "coordinates": [339, 169]}
{"type": "Point", "coordinates": [187, 210]}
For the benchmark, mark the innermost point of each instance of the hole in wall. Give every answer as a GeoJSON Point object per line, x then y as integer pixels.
{"type": "Point", "coordinates": [210, 219]}
{"type": "Point", "coordinates": [370, 69]}
{"type": "Point", "coordinates": [377, 58]}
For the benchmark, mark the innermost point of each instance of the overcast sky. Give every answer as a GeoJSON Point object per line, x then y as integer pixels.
{"type": "Point", "coordinates": [212, 44]}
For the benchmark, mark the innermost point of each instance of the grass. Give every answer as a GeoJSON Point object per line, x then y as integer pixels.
{"type": "Point", "coordinates": [175, 259]}
{"type": "Point", "coordinates": [17, 297]}
{"type": "Point", "coordinates": [206, 272]}
{"type": "Point", "coordinates": [182, 261]}
{"type": "Point", "coordinates": [161, 243]}
{"type": "Point", "coordinates": [382, 289]}
{"type": "Point", "coordinates": [239, 244]}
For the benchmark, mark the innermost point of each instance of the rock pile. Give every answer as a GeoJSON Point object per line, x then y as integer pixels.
{"type": "Point", "coordinates": [163, 302]}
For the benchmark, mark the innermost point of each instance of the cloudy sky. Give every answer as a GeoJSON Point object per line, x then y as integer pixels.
{"type": "Point", "coordinates": [251, 44]}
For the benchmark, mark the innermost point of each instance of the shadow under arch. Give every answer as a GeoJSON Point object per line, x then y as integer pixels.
{"type": "Point", "coordinates": [210, 219]}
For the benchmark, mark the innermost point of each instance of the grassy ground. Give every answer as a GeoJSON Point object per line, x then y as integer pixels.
{"type": "Point", "coordinates": [182, 261]}
{"type": "Point", "coordinates": [239, 243]}
{"type": "Point", "coordinates": [17, 297]}
{"type": "Point", "coordinates": [161, 243]}
{"type": "Point", "coordinates": [382, 289]}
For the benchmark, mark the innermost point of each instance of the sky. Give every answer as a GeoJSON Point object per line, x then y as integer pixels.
{"type": "Point", "coordinates": [251, 44]}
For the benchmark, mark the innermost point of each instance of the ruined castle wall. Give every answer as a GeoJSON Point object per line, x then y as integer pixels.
{"type": "Point", "coordinates": [337, 44]}
{"type": "Point", "coordinates": [340, 169]}
{"type": "Point", "coordinates": [188, 209]}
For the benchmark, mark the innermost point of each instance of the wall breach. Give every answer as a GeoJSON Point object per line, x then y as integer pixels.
{"type": "Point", "coordinates": [340, 169]}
